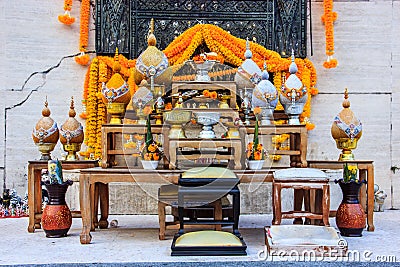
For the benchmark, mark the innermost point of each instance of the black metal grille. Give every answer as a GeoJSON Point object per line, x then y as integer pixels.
{"type": "Point", "coordinates": [278, 25]}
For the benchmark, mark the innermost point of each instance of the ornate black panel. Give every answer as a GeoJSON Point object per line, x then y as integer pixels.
{"type": "Point", "coordinates": [113, 26]}
{"type": "Point", "coordinates": [278, 25]}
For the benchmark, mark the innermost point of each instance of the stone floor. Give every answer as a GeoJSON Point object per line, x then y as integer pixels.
{"type": "Point", "coordinates": [135, 242]}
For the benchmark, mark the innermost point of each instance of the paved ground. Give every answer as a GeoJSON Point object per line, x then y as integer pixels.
{"type": "Point", "coordinates": [135, 243]}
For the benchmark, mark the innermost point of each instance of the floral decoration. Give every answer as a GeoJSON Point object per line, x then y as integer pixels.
{"type": "Point", "coordinates": [151, 150]}
{"type": "Point", "coordinates": [255, 150]}
{"type": "Point", "coordinates": [328, 18]}
{"type": "Point", "coordinates": [350, 173]}
{"type": "Point", "coordinates": [83, 59]}
{"type": "Point", "coordinates": [66, 18]}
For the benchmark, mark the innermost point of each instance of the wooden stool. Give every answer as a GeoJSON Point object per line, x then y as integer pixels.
{"type": "Point", "coordinates": [301, 180]}
{"type": "Point", "coordinates": [168, 196]}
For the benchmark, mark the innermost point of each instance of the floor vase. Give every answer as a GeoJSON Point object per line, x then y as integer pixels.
{"type": "Point", "coordinates": [56, 216]}
{"type": "Point", "coordinates": [350, 216]}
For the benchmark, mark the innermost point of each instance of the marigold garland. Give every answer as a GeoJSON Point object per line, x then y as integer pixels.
{"type": "Point", "coordinates": [83, 59]}
{"type": "Point", "coordinates": [66, 18]}
{"type": "Point", "coordinates": [328, 18]}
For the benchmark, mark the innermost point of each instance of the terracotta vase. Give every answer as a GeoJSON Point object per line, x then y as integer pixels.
{"type": "Point", "coordinates": [350, 216]}
{"type": "Point", "coordinates": [56, 216]}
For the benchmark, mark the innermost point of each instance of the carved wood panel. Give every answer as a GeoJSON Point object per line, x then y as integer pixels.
{"type": "Point", "coordinates": [278, 25]}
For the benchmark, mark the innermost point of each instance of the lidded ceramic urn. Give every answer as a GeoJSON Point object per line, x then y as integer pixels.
{"type": "Point", "coordinates": [265, 96]}
{"type": "Point", "coordinates": [45, 134]}
{"type": "Point", "coordinates": [152, 63]}
{"type": "Point", "coordinates": [71, 134]}
{"type": "Point", "coordinates": [116, 94]}
{"type": "Point", "coordinates": [293, 95]}
{"type": "Point", "coordinates": [248, 74]}
{"type": "Point", "coordinates": [346, 130]}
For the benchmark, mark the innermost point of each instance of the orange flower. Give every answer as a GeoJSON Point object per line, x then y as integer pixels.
{"type": "Point", "coordinates": [168, 106]}
{"type": "Point", "coordinates": [257, 110]}
{"type": "Point", "coordinates": [152, 148]}
{"type": "Point", "coordinates": [156, 156]}
{"type": "Point", "coordinates": [206, 93]}
{"type": "Point", "coordinates": [66, 18]}
{"type": "Point", "coordinates": [83, 59]}
{"type": "Point", "coordinates": [213, 95]}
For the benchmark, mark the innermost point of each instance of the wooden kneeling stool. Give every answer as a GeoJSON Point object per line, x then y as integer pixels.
{"type": "Point", "coordinates": [301, 180]}
{"type": "Point", "coordinates": [168, 196]}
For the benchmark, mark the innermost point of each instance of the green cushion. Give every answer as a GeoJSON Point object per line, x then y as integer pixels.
{"type": "Point", "coordinates": [208, 172]}
{"type": "Point", "coordinates": [208, 238]}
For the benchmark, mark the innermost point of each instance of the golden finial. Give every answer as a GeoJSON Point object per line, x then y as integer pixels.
{"type": "Point", "coordinates": [116, 66]}
{"type": "Point", "coordinates": [346, 102]}
{"type": "Point", "coordinates": [151, 39]}
{"type": "Point", "coordinates": [72, 112]}
{"type": "Point", "coordinates": [46, 110]}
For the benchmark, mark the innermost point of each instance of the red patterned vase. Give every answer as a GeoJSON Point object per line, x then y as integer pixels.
{"type": "Point", "coordinates": [56, 216]}
{"type": "Point", "coordinates": [350, 216]}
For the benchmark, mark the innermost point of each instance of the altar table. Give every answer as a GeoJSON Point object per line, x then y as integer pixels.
{"type": "Point", "coordinates": [366, 169]}
{"type": "Point", "coordinates": [89, 177]}
{"type": "Point", "coordinates": [35, 188]}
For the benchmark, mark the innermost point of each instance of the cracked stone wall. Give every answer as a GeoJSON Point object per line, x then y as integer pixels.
{"type": "Point", "coordinates": [32, 42]}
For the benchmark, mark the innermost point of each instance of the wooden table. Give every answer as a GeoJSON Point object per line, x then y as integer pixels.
{"type": "Point", "coordinates": [35, 188]}
{"type": "Point", "coordinates": [366, 169]}
{"type": "Point", "coordinates": [89, 177]}
{"type": "Point", "coordinates": [298, 140]}
{"type": "Point", "coordinates": [196, 143]}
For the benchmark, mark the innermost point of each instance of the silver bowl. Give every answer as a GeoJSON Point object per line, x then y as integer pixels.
{"type": "Point", "coordinates": [207, 119]}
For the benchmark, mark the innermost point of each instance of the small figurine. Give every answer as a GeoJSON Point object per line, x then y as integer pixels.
{"type": "Point", "coordinates": [380, 197]}
{"type": "Point", "coordinates": [55, 172]}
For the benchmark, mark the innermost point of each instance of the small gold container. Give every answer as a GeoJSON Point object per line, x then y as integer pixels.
{"type": "Point", "coordinates": [45, 149]}
{"type": "Point", "coordinates": [72, 149]}
{"type": "Point", "coordinates": [117, 112]}
{"type": "Point", "coordinates": [346, 145]}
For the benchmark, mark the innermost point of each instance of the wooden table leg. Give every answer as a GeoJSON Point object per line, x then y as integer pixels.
{"type": "Point", "coordinates": [84, 199]}
{"type": "Point", "coordinates": [237, 155]}
{"type": "Point", "coordinates": [276, 195]}
{"type": "Point", "coordinates": [298, 203]}
{"type": "Point", "coordinates": [31, 198]}
{"type": "Point", "coordinates": [104, 208]}
{"type": "Point", "coordinates": [326, 204]}
{"type": "Point", "coordinates": [94, 205]}
{"type": "Point", "coordinates": [370, 197]}
{"type": "Point", "coordinates": [37, 197]}
{"type": "Point", "coordinates": [161, 220]}
{"type": "Point", "coordinates": [172, 155]}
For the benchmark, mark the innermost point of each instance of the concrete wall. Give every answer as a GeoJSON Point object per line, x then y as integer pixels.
{"type": "Point", "coordinates": [366, 44]}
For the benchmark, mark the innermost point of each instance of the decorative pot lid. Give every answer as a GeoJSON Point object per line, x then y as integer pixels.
{"type": "Point", "coordinates": [265, 93]}
{"type": "Point", "coordinates": [46, 130]}
{"type": "Point", "coordinates": [152, 62]}
{"type": "Point", "coordinates": [72, 130]}
{"type": "Point", "coordinates": [292, 88]}
{"type": "Point", "coordinates": [249, 72]}
{"type": "Point", "coordinates": [116, 89]}
{"type": "Point", "coordinates": [346, 124]}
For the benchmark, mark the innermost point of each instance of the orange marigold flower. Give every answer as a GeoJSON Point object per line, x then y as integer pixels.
{"type": "Point", "coordinates": [168, 106]}
{"type": "Point", "coordinates": [257, 110]}
{"type": "Point", "coordinates": [156, 156]}
{"type": "Point", "coordinates": [206, 93]}
{"type": "Point", "coordinates": [152, 148]}
{"type": "Point", "coordinates": [213, 95]}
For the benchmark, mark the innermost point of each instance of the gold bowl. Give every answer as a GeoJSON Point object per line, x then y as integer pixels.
{"type": "Point", "coordinates": [176, 118]}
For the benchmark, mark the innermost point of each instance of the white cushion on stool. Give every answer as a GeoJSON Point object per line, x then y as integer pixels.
{"type": "Point", "coordinates": [300, 173]}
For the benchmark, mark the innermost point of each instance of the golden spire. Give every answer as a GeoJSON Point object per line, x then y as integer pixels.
{"type": "Point", "coordinates": [151, 38]}
{"type": "Point", "coordinates": [346, 102]}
